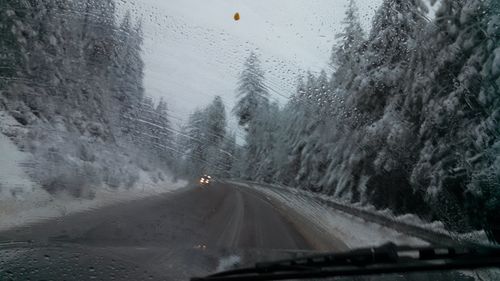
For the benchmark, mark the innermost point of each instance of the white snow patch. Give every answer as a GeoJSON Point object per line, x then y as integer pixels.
{"type": "Point", "coordinates": [227, 263]}
{"type": "Point", "coordinates": [34, 208]}
{"type": "Point", "coordinates": [432, 7]}
{"type": "Point", "coordinates": [23, 201]}
{"type": "Point", "coordinates": [495, 66]}
{"type": "Point", "coordinates": [410, 219]}
{"type": "Point", "coordinates": [13, 181]}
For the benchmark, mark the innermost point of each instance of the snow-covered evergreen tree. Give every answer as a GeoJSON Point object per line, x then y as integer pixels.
{"type": "Point", "coordinates": [252, 92]}
{"type": "Point", "coordinates": [215, 133]}
{"type": "Point", "coordinates": [127, 72]}
{"type": "Point", "coordinates": [346, 54]}
{"type": "Point", "coordinates": [458, 126]}
{"type": "Point", "coordinates": [388, 50]}
{"type": "Point", "coordinates": [205, 144]}
{"type": "Point", "coordinates": [11, 12]}
{"type": "Point", "coordinates": [228, 154]}
{"type": "Point", "coordinates": [193, 145]}
{"type": "Point", "coordinates": [165, 135]}
{"type": "Point", "coordinates": [216, 122]}
{"type": "Point", "coordinates": [146, 133]}
{"type": "Point", "coordinates": [261, 143]}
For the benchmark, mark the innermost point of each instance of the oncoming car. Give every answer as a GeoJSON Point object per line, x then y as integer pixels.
{"type": "Point", "coordinates": [205, 180]}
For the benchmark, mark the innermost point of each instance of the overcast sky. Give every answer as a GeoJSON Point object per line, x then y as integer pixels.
{"type": "Point", "coordinates": [194, 50]}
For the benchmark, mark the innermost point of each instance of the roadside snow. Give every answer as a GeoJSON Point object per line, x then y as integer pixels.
{"type": "Point", "coordinates": [34, 208]}
{"type": "Point", "coordinates": [409, 219]}
{"type": "Point", "coordinates": [353, 231]}
{"type": "Point", "coordinates": [227, 263]}
{"type": "Point", "coordinates": [23, 201]}
{"type": "Point", "coordinates": [432, 6]}
{"type": "Point", "coordinates": [13, 180]}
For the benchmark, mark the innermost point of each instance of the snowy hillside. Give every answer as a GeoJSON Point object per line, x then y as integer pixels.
{"type": "Point", "coordinates": [76, 129]}
{"type": "Point", "coordinates": [23, 201]}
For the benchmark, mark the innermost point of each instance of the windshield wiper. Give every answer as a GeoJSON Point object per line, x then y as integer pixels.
{"type": "Point", "coordinates": [385, 259]}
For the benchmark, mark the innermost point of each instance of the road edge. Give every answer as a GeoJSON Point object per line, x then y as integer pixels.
{"type": "Point", "coordinates": [318, 237]}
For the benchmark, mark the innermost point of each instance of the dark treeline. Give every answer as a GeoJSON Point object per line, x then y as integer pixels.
{"type": "Point", "coordinates": [408, 121]}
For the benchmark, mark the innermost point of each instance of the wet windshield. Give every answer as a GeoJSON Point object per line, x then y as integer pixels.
{"type": "Point", "coordinates": [164, 140]}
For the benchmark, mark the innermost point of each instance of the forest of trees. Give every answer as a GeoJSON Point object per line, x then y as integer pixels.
{"type": "Point", "coordinates": [72, 77]}
{"type": "Point", "coordinates": [409, 120]}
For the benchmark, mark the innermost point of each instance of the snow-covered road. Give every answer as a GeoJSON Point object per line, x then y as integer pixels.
{"type": "Point", "coordinates": [347, 230]}
{"type": "Point", "coordinates": [191, 231]}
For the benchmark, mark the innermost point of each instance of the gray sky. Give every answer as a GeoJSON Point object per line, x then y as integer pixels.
{"type": "Point", "coordinates": [194, 49]}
